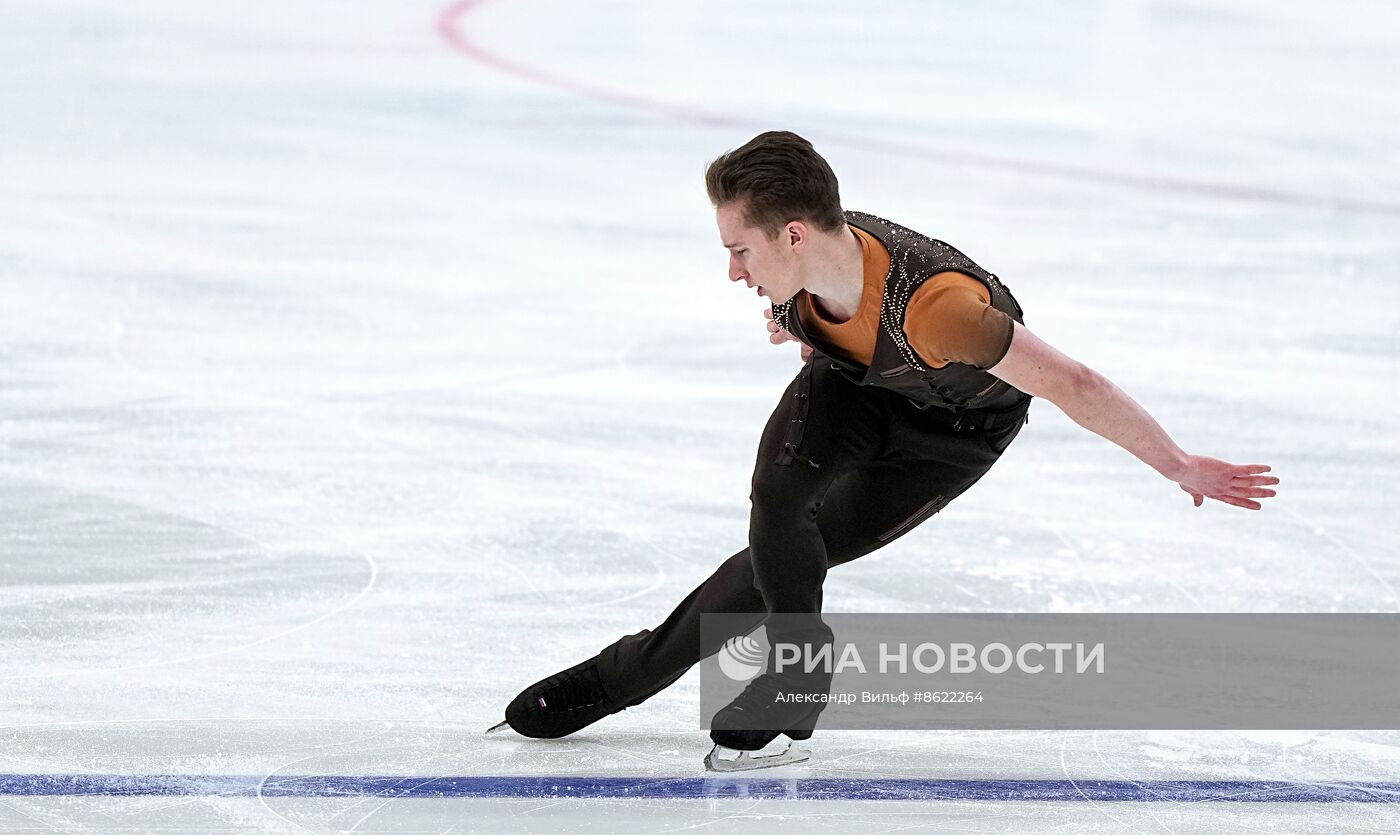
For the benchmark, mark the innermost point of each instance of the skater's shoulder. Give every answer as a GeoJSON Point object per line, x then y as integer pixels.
{"type": "Point", "coordinates": [950, 318]}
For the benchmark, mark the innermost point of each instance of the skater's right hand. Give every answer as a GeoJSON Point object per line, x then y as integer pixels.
{"type": "Point", "coordinates": [778, 336]}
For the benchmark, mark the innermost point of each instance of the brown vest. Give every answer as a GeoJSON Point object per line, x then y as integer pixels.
{"type": "Point", "coordinates": [915, 258]}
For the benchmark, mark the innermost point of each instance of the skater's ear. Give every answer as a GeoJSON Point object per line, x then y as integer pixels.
{"type": "Point", "coordinates": [796, 234]}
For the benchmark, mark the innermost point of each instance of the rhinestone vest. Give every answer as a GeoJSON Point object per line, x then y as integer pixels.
{"type": "Point", "coordinates": [915, 258]}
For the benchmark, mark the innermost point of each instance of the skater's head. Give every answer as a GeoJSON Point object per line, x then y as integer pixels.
{"type": "Point", "coordinates": [772, 195]}
{"type": "Point", "coordinates": [778, 177]}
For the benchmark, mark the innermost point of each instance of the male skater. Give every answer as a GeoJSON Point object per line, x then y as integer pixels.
{"type": "Point", "coordinates": [919, 372]}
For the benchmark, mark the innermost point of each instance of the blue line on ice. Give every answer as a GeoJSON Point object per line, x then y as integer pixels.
{"type": "Point", "coordinates": [1177, 791]}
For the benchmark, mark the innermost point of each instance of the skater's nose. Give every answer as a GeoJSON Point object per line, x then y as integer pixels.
{"type": "Point", "coordinates": [736, 269]}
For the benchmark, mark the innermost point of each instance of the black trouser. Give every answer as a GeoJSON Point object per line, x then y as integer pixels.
{"type": "Point", "coordinates": [842, 470]}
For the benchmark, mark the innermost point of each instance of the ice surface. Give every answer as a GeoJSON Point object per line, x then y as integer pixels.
{"type": "Point", "coordinates": [364, 362]}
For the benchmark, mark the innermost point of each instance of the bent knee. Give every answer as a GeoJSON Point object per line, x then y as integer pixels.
{"type": "Point", "coordinates": [776, 499]}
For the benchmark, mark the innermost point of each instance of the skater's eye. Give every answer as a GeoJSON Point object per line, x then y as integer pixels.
{"type": "Point", "coordinates": [740, 251]}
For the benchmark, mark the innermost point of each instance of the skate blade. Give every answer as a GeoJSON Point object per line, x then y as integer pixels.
{"type": "Point", "coordinates": [498, 726]}
{"type": "Point", "coordinates": [747, 761]}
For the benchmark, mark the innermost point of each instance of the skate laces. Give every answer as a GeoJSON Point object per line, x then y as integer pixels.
{"type": "Point", "coordinates": [575, 688]}
{"type": "Point", "coordinates": [760, 693]}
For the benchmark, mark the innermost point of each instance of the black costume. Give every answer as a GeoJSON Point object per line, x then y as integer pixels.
{"type": "Point", "coordinates": [852, 458]}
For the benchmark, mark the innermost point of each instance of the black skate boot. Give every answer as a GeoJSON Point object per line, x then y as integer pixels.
{"type": "Point", "coordinates": [561, 704]}
{"type": "Point", "coordinates": [758, 716]}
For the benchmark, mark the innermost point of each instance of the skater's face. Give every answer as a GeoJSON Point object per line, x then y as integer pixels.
{"type": "Point", "coordinates": [769, 265]}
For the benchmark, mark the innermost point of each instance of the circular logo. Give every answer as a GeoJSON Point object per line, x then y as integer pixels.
{"type": "Point", "coordinates": [742, 657]}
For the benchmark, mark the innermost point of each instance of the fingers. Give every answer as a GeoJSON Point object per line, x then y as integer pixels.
{"type": "Point", "coordinates": [1242, 470]}
{"type": "Point", "coordinates": [1254, 480]}
{"type": "Point", "coordinates": [776, 335]}
{"type": "Point", "coordinates": [1237, 502]}
{"type": "Point", "coordinates": [1196, 498]}
{"type": "Point", "coordinates": [1244, 496]}
{"type": "Point", "coordinates": [1253, 492]}
{"type": "Point", "coordinates": [1236, 495]}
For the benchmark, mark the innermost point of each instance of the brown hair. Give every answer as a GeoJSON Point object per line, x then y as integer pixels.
{"type": "Point", "coordinates": [780, 178]}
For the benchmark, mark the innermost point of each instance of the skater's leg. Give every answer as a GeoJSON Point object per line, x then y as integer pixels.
{"type": "Point", "coordinates": [640, 665]}
{"type": "Point", "coordinates": [923, 466]}
{"type": "Point", "coordinates": [786, 486]}
{"type": "Point", "coordinates": [926, 460]}
{"type": "Point", "coordinates": [827, 428]}
{"type": "Point", "coordinates": [832, 428]}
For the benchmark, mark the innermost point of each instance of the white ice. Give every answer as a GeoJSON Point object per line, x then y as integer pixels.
{"type": "Point", "coordinates": [363, 362]}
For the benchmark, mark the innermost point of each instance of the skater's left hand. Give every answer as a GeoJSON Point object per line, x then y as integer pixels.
{"type": "Point", "coordinates": [1236, 484]}
{"type": "Point", "coordinates": [778, 336]}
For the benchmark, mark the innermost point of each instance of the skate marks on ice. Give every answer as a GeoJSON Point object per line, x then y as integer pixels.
{"type": "Point", "coordinates": [974, 558]}
{"type": "Point", "coordinates": [271, 754]}
{"type": "Point", "coordinates": [97, 585]}
{"type": "Point", "coordinates": [537, 485]}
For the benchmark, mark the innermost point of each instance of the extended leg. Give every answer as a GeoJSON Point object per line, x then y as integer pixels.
{"type": "Point", "coordinates": [920, 468]}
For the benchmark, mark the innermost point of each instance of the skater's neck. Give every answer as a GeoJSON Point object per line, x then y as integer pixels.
{"type": "Point", "coordinates": [835, 275]}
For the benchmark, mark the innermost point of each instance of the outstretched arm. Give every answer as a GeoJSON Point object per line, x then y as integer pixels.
{"type": "Point", "coordinates": [1095, 403]}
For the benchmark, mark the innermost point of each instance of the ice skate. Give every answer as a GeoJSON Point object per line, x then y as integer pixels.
{"type": "Point", "coordinates": [759, 715]}
{"type": "Point", "coordinates": [726, 760]}
{"type": "Point", "coordinates": [560, 704]}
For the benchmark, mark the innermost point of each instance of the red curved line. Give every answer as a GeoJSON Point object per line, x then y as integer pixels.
{"type": "Point", "coordinates": [448, 26]}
